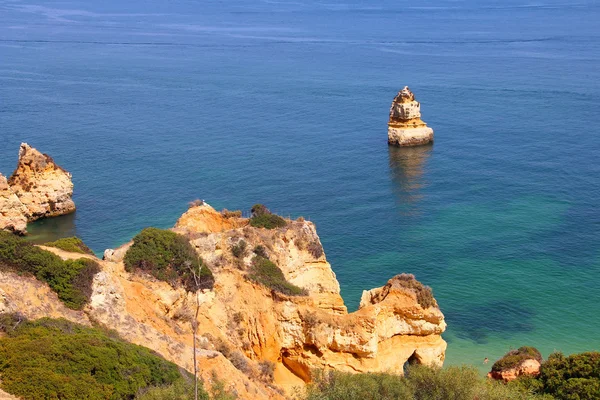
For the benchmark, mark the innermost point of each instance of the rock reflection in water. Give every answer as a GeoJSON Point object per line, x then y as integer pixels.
{"type": "Point", "coordinates": [50, 229]}
{"type": "Point", "coordinates": [407, 166]}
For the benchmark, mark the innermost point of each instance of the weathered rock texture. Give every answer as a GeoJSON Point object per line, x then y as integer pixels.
{"type": "Point", "coordinates": [42, 186]}
{"type": "Point", "coordinates": [243, 324]}
{"type": "Point", "coordinates": [13, 214]}
{"type": "Point", "coordinates": [529, 367]}
{"type": "Point", "coordinates": [405, 127]}
{"type": "Point", "coordinates": [38, 188]}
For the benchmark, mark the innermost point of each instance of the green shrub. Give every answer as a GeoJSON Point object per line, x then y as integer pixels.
{"type": "Point", "coordinates": [70, 279]}
{"type": "Point", "coordinates": [515, 357]}
{"type": "Point", "coordinates": [58, 359]}
{"type": "Point", "coordinates": [420, 383]}
{"type": "Point", "coordinates": [263, 218]}
{"type": "Point", "coordinates": [168, 257]}
{"type": "Point", "coordinates": [268, 274]}
{"type": "Point", "coordinates": [575, 377]}
{"type": "Point", "coordinates": [72, 244]}
{"type": "Point", "coordinates": [260, 251]}
{"type": "Point", "coordinates": [424, 293]}
{"type": "Point", "coordinates": [180, 390]}
{"type": "Point", "coordinates": [239, 249]}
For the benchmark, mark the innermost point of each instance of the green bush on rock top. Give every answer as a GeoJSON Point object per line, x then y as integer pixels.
{"type": "Point", "coordinates": [168, 257]}
{"type": "Point", "coordinates": [263, 218]}
{"type": "Point", "coordinates": [70, 279]}
{"type": "Point", "coordinates": [515, 357]}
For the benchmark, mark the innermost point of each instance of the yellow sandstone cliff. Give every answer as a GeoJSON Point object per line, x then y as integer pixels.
{"type": "Point", "coordinates": [243, 326]}
{"type": "Point", "coordinates": [38, 188]}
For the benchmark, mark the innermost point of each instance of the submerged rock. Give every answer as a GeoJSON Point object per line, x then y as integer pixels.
{"type": "Point", "coordinates": [44, 188]}
{"type": "Point", "coordinates": [405, 127]}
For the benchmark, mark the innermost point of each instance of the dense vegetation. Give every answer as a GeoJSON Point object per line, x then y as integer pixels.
{"type": "Point", "coordinates": [58, 359]}
{"type": "Point", "coordinates": [424, 293]}
{"type": "Point", "coordinates": [169, 257]}
{"type": "Point", "coordinates": [72, 244]}
{"type": "Point", "coordinates": [265, 272]}
{"type": "Point", "coordinates": [516, 357]}
{"type": "Point", "coordinates": [576, 377]}
{"type": "Point", "coordinates": [263, 218]}
{"type": "Point", "coordinates": [420, 383]}
{"type": "Point", "coordinates": [70, 279]}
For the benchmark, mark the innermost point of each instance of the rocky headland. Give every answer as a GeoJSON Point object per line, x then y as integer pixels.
{"type": "Point", "coordinates": [262, 342]}
{"type": "Point", "coordinates": [38, 188]}
{"type": "Point", "coordinates": [405, 127]}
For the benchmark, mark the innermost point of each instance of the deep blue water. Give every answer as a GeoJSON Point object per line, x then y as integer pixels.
{"type": "Point", "coordinates": [153, 104]}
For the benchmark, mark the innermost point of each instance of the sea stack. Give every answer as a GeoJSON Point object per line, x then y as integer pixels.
{"type": "Point", "coordinates": [37, 189]}
{"type": "Point", "coordinates": [405, 127]}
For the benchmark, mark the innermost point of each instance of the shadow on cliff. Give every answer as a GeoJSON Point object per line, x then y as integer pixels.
{"type": "Point", "coordinates": [407, 165]}
{"type": "Point", "coordinates": [497, 318]}
{"type": "Point", "coordinates": [50, 229]}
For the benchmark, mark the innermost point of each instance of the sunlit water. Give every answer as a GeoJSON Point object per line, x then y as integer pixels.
{"type": "Point", "coordinates": [151, 105]}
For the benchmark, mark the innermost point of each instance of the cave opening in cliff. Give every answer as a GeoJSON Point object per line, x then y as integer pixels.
{"type": "Point", "coordinates": [414, 359]}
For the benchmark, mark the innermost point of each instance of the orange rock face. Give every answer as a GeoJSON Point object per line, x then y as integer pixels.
{"type": "Point", "coordinates": [242, 324]}
{"type": "Point", "coordinates": [13, 214]}
{"type": "Point", "coordinates": [44, 188]}
{"type": "Point", "coordinates": [527, 367]}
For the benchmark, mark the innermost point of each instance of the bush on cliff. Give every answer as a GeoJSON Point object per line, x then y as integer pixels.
{"type": "Point", "coordinates": [263, 218]}
{"type": "Point", "coordinates": [515, 357]}
{"type": "Point", "coordinates": [168, 257]}
{"type": "Point", "coordinates": [576, 377]}
{"type": "Point", "coordinates": [265, 272]}
{"type": "Point", "coordinates": [424, 293]}
{"type": "Point", "coordinates": [71, 244]}
{"type": "Point", "coordinates": [70, 279]}
{"type": "Point", "coordinates": [58, 359]}
{"type": "Point", "coordinates": [420, 383]}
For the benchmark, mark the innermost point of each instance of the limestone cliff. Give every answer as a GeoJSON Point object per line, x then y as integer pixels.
{"type": "Point", "coordinates": [244, 326]}
{"type": "Point", "coordinates": [44, 188]}
{"type": "Point", "coordinates": [13, 214]}
{"type": "Point", "coordinates": [405, 127]}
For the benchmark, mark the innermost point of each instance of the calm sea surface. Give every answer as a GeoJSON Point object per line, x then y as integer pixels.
{"type": "Point", "coordinates": [153, 104]}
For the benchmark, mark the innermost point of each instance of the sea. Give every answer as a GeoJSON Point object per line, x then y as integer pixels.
{"type": "Point", "coordinates": [152, 104]}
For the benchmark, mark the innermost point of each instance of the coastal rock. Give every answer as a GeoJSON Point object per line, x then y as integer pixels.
{"type": "Point", "coordinates": [12, 212]}
{"type": "Point", "coordinates": [242, 324]}
{"type": "Point", "coordinates": [529, 367]}
{"type": "Point", "coordinates": [405, 127]}
{"type": "Point", "coordinates": [44, 188]}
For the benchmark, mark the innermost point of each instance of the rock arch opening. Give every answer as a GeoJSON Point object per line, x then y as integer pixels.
{"type": "Point", "coordinates": [414, 359]}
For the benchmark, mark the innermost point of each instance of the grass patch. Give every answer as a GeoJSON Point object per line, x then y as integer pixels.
{"type": "Point", "coordinates": [263, 218]}
{"type": "Point", "coordinates": [70, 279]}
{"type": "Point", "coordinates": [58, 359]}
{"type": "Point", "coordinates": [420, 383]}
{"type": "Point", "coordinates": [168, 257]}
{"type": "Point", "coordinates": [515, 357]}
{"type": "Point", "coordinates": [265, 272]}
{"type": "Point", "coordinates": [71, 244]}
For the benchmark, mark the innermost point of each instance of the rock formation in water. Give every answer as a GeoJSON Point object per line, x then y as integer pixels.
{"type": "Point", "coordinates": [42, 188]}
{"type": "Point", "coordinates": [405, 127]}
{"type": "Point", "coordinates": [245, 326]}
{"type": "Point", "coordinates": [12, 211]}
{"type": "Point", "coordinates": [524, 361]}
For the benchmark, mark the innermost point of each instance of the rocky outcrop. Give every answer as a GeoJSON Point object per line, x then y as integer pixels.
{"type": "Point", "coordinates": [529, 367]}
{"type": "Point", "coordinates": [13, 214]}
{"type": "Point", "coordinates": [405, 127]}
{"type": "Point", "coordinates": [243, 325]}
{"type": "Point", "coordinates": [38, 188]}
{"type": "Point", "coordinates": [44, 188]}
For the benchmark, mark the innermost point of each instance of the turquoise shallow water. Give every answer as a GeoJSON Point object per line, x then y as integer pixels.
{"type": "Point", "coordinates": [153, 105]}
